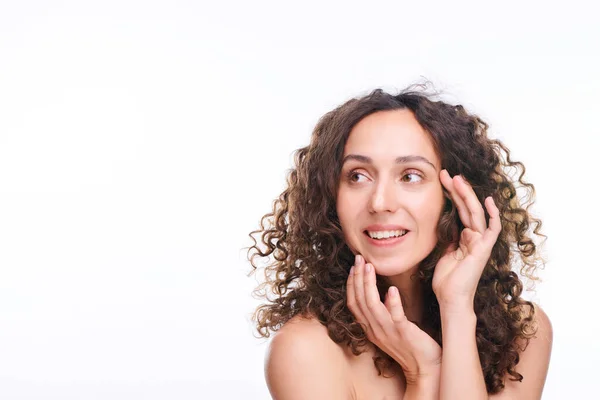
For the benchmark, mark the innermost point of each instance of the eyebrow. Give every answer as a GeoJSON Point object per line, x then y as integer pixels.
{"type": "Point", "coordinates": [398, 160]}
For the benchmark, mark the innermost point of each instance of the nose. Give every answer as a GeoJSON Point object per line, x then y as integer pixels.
{"type": "Point", "coordinates": [384, 198]}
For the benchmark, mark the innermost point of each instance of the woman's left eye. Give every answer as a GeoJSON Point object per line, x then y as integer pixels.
{"type": "Point", "coordinates": [412, 177]}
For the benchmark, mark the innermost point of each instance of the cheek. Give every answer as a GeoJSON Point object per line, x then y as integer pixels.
{"type": "Point", "coordinates": [430, 210]}
{"type": "Point", "coordinates": [346, 207]}
{"type": "Point", "coordinates": [346, 221]}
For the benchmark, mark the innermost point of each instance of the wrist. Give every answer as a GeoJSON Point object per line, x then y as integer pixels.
{"type": "Point", "coordinates": [423, 376]}
{"type": "Point", "coordinates": [457, 307]}
{"type": "Point", "coordinates": [423, 386]}
{"type": "Point", "coordinates": [458, 318]}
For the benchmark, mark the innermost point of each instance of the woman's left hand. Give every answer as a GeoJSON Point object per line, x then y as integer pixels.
{"type": "Point", "coordinates": [458, 272]}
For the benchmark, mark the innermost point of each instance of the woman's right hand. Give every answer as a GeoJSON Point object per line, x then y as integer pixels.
{"type": "Point", "coordinates": [388, 327]}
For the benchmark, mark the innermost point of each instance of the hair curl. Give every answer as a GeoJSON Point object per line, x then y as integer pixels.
{"type": "Point", "coordinates": [308, 260]}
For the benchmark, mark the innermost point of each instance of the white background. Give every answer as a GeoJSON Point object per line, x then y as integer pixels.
{"type": "Point", "coordinates": [140, 142]}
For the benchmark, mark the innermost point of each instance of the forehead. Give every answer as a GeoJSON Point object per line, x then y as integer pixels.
{"type": "Point", "coordinates": [385, 135]}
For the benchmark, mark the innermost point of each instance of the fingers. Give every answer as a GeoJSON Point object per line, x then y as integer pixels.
{"type": "Point", "coordinates": [448, 183]}
{"type": "Point", "coordinates": [394, 305]}
{"type": "Point", "coordinates": [358, 287]}
{"type": "Point", "coordinates": [371, 306]}
{"type": "Point", "coordinates": [495, 226]}
{"type": "Point", "coordinates": [351, 299]}
{"type": "Point", "coordinates": [364, 301]}
{"type": "Point", "coordinates": [468, 205]}
{"type": "Point", "coordinates": [474, 207]}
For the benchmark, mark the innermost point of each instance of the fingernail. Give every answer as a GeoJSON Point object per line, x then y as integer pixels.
{"type": "Point", "coordinates": [368, 267]}
{"type": "Point", "coordinates": [351, 270]}
{"type": "Point", "coordinates": [357, 259]}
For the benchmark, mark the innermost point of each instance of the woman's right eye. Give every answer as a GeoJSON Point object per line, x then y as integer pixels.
{"type": "Point", "coordinates": [354, 176]}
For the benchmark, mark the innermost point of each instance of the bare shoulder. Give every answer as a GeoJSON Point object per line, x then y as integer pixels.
{"type": "Point", "coordinates": [536, 356]}
{"type": "Point", "coordinates": [533, 363]}
{"type": "Point", "coordinates": [541, 342]}
{"type": "Point", "coordinates": [543, 324]}
{"type": "Point", "coordinates": [302, 362]}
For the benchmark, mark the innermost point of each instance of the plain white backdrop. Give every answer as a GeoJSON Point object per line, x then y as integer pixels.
{"type": "Point", "coordinates": [141, 141]}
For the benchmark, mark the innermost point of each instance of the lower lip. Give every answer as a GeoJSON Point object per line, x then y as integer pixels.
{"type": "Point", "coordinates": [389, 242]}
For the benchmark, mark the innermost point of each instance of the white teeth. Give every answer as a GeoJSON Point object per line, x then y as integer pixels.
{"type": "Point", "coordinates": [386, 234]}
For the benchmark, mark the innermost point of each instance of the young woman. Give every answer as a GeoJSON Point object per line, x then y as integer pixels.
{"type": "Point", "coordinates": [392, 255]}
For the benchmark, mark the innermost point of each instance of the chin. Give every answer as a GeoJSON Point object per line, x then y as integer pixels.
{"type": "Point", "coordinates": [392, 266]}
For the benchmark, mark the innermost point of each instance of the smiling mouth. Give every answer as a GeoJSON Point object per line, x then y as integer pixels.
{"type": "Point", "coordinates": [386, 235]}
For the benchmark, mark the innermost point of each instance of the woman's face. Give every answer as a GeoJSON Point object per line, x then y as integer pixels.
{"type": "Point", "coordinates": [390, 197]}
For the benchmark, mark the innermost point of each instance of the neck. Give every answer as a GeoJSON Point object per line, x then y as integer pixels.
{"type": "Point", "coordinates": [411, 294]}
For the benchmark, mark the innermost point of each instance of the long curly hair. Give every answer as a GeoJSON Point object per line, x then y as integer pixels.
{"type": "Point", "coordinates": [306, 260]}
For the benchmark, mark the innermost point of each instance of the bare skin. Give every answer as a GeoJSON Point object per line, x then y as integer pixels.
{"type": "Point", "coordinates": [392, 180]}
{"type": "Point", "coordinates": [302, 348]}
{"type": "Point", "coordinates": [304, 363]}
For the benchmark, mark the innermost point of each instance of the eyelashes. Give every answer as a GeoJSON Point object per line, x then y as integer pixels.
{"type": "Point", "coordinates": [417, 176]}
{"type": "Point", "coordinates": [351, 176]}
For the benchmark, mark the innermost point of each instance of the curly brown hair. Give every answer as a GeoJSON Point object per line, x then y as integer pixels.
{"type": "Point", "coordinates": [307, 259]}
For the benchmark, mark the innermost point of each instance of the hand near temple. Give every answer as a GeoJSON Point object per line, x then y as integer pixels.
{"type": "Point", "coordinates": [458, 272]}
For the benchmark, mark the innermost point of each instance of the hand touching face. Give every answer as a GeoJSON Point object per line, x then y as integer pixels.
{"type": "Point", "coordinates": [458, 272]}
{"type": "Point", "coordinates": [387, 326]}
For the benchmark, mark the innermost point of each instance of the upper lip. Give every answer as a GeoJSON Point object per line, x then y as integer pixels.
{"type": "Point", "coordinates": [378, 228]}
